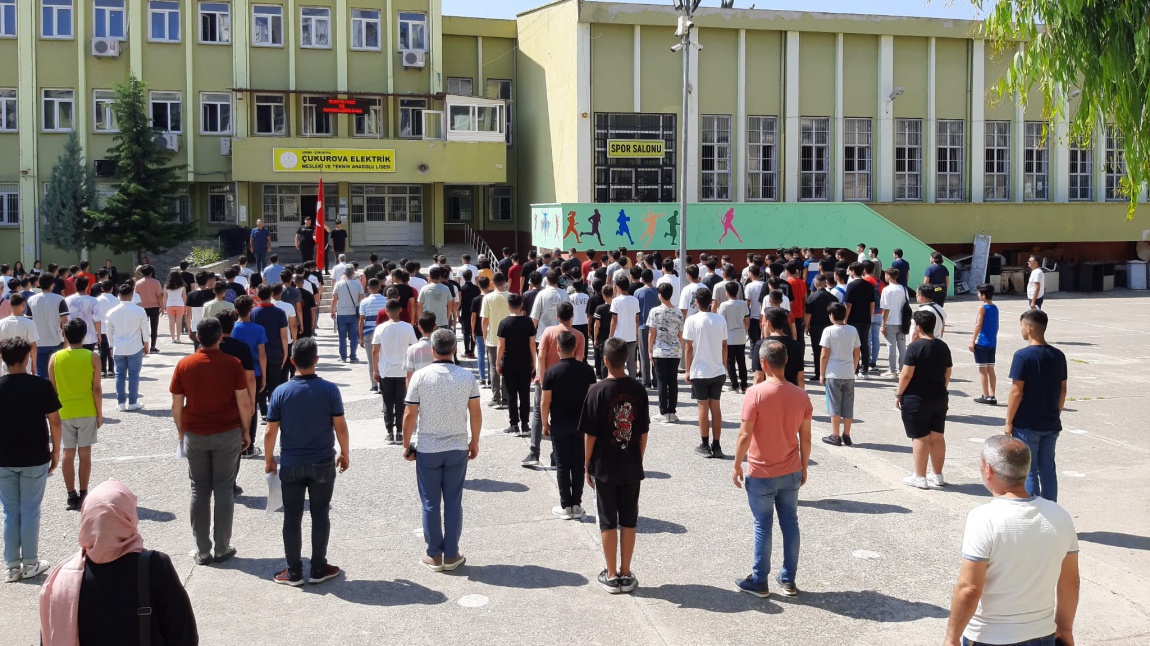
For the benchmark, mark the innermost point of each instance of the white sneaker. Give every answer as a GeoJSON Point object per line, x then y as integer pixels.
{"type": "Point", "coordinates": [562, 513]}
{"type": "Point", "coordinates": [915, 481]}
{"type": "Point", "coordinates": [674, 418]}
{"type": "Point", "coordinates": [890, 375]}
{"type": "Point", "coordinates": [34, 570]}
{"type": "Point", "coordinates": [935, 480]}
{"type": "Point", "coordinates": [121, 407]}
{"type": "Point", "coordinates": [577, 512]}
{"type": "Point", "coordinates": [13, 574]}
{"type": "Point", "coordinates": [659, 419]}
{"type": "Point", "coordinates": [134, 407]}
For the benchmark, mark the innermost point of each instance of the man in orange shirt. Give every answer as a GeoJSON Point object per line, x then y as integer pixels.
{"type": "Point", "coordinates": [798, 298]}
{"type": "Point", "coordinates": [91, 277]}
{"type": "Point", "coordinates": [869, 271]}
{"type": "Point", "coordinates": [151, 293]}
{"type": "Point", "coordinates": [775, 439]}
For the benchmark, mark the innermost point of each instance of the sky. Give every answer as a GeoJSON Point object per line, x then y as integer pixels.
{"type": "Point", "coordinates": [960, 9]}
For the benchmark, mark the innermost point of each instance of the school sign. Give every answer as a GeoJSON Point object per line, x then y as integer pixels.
{"type": "Point", "coordinates": [333, 160]}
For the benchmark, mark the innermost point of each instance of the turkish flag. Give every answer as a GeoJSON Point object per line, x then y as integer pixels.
{"type": "Point", "coordinates": [319, 230]}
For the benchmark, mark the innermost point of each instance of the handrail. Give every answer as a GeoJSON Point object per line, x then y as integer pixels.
{"type": "Point", "coordinates": [478, 243]}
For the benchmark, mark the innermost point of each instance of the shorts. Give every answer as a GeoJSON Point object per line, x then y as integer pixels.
{"type": "Point", "coordinates": [78, 432]}
{"type": "Point", "coordinates": [921, 417]}
{"type": "Point", "coordinates": [618, 504]}
{"type": "Point", "coordinates": [983, 355]}
{"type": "Point", "coordinates": [709, 388]}
{"type": "Point", "coordinates": [841, 397]}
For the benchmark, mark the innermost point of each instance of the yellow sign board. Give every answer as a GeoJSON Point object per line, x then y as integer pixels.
{"type": "Point", "coordinates": [635, 148]}
{"type": "Point", "coordinates": [333, 160]}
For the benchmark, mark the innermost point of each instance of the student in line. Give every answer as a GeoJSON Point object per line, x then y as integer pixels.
{"type": "Point", "coordinates": [75, 373]}
{"type": "Point", "coordinates": [923, 400]}
{"type": "Point", "coordinates": [842, 351]}
{"type": "Point", "coordinates": [983, 342]}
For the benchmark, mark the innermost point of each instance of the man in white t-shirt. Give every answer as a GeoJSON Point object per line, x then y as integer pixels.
{"type": "Point", "coordinates": [1019, 580]}
{"type": "Point", "coordinates": [389, 343]}
{"type": "Point", "coordinates": [18, 325]}
{"type": "Point", "coordinates": [466, 258]}
{"type": "Point", "coordinates": [1036, 284]}
{"type": "Point", "coordinates": [625, 321]}
{"type": "Point", "coordinates": [926, 302]}
{"type": "Point", "coordinates": [686, 300]}
{"type": "Point", "coordinates": [670, 277]}
{"type": "Point", "coordinates": [705, 357]}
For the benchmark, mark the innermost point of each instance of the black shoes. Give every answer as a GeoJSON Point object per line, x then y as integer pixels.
{"type": "Point", "coordinates": [846, 437]}
{"type": "Point", "coordinates": [789, 589]}
{"type": "Point", "coordinates": [73, 501]}
{"type": "Point", "coordinates": [716, 452]}
{"type": "Point", "coordinates": [833, 440]}
{"type": "Point", "coordinates": [611, 584]}
{"type": "Point", "coordinates": [986, 400]}
{"type": "Point", "coordinates": [704, 450]}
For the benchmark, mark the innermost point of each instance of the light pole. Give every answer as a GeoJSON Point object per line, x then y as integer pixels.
{"type": "Point", "coordinates": [686, 10]}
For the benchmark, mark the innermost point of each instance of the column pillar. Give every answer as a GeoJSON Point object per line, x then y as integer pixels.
{"type": "Point", "coordinates": [930, 130]}
{"type": "Point", "coordinates": [1059, 142]}
{"type": "Point", "coordinates": [837, 153]}
{"type": "Point", "coordinates": [637, 98]}
{"type": "Point", "coordinates": [977, 142]}
{"type": "Point", "coordinates": [27, 94]}
{"type": "Point", "coordinates": [883, 190]}
{"type": "Point", "coordinates": [584, 161]}
{"type": "Point", "coordinates": [791, 134]}
{"type": "Point", "coordinates": [739, 160]}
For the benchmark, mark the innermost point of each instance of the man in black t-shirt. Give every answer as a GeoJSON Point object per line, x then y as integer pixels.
{"type": "Point", "coordinates": [305, 241]}
{"type": "Point", "coordinates": [615, 420]}
{"type": "Point", "coordinates": [529, 267]}
{"type": "Point", "coordinates": [601, 328]}
{"type": "Point", "coordinates": [338, 238]}
{"type": "Point", "coordinates": [468, 292]}
{"type": "Point", "coordinates": [778, 329]}
{"type": "Point", "coordinates": [307, 306]}
{"type": "Point", "coordinates": [241, 351]}
{"type": "Point", "coordinates": [197, 299]}
{"type": "Point", "coordinates": [860, 311]}
{"type": "Point", "coordinates": [817, 318]}
{"type": "Point", "coordinates": [516, 364]}
{"type": "Point", "coordinates": [476, 324]}
{"type": "Point", "coordinates": [506, 262]}
{"type": "Point", "coordinates": [565, 387]}
{"type": "Point", "coordinates": [536, 285]}
{"type": "Point", "coordinates": [922, 397]}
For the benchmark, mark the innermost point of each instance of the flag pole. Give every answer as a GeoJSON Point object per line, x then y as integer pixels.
{"type": "Point", "coordinates": [320, 238]}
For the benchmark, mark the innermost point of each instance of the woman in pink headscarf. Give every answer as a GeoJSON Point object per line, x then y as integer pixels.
{"type": "Point", "coordinates": [93, 598]}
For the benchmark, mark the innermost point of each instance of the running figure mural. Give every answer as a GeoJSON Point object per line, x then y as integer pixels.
{"type": "Point", "coordinates": [651, 220]}
{"type": "Point", "coordinates": [673, 233]}
{"type": "Point", "coordinates": [624, 230]}
{"type": "Point", "coordinates": [571, 228]}
{"type": "Point", "coordinates": [594, 220]}
{"type": "Point", "coordinates": [729, 226]}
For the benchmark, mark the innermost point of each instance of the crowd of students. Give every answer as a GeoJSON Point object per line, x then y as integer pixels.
{"type": "Point", "coordinates": [567, 346]}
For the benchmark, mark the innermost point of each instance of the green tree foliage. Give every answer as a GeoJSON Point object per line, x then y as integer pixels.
{"type": "Point", "coordinates": [1100, 48]}
{"type": "Point", "coordinates": [139, 217]}
{"type": "Point", "coordinates": [71, 191]}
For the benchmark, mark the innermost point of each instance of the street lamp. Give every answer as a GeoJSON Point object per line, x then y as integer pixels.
{"type": "Point", "coordinates": [686, 9]}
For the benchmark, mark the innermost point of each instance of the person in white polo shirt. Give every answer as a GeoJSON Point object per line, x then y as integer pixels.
{"type": "Point", "coordinates": [625, 321]}
{"type": "Point", "coordinates": [1035, 284]}
{"type": "Point", "coordinates": [705, 359]}
{"type": "Point", "coordinates": [18, 325]}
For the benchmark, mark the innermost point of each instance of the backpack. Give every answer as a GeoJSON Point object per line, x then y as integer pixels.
{"type": "Point", "coordinates": [906, 313]}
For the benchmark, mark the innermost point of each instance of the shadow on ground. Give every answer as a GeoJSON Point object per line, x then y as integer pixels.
{"type": "Point", "coordinates": [868, 605]}
{"type": "Point", "coordinates": [528, 577]}
{"type": "Point", "coordinates": [155, 515]}
{"type": "Point", "coordinates": [399, 592]}
{"type": "Point", "coordinates": [708, 598]}
{"type": "Point", "coordinates": [854, 506]}
{"type": "Point", "coordinates": [978, 420]}
{"type": "Point", "coordinates": [1116, 539]}
{"type": "Point", "coordinates": [494, 486]}
{"type": "Point", "coordinates": [656, 526]}
{"type": "Point", "coordinates": [889, 448]}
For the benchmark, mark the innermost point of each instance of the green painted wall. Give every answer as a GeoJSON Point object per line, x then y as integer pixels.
{"type": "Point", "coordinates": [817, 61]}
{"type": "Point", "coordinates": [661, 71]}
{"type": "Point", "coordinates": [718, 71]}
{"type": "Point", "coordinates": [1028, 222]}
{"type": "Point", "coordinates": [764, 87]}
{"type": "Point", "coordinates": [911, 61]}
{"type": "Point", "coordinates": [951, 91]}
{"type": "Point", "coordinates": [612, 68]}
{"type": "Point", "coordinates": [860, 76]}
{"type": "Point", "coordinates": [459, 59]}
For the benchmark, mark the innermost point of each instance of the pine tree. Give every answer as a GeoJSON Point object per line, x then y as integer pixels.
{"type": "Point", "coordinates": [139, 216]}
{"type": "Point", "coordinates": [71, 191]}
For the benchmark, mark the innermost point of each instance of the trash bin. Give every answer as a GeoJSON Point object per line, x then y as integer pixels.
{"type": "Point", "coordinates": [1136, 275]}
{"type": "Point", "coordinates": [1068, 277]}
{"type": "Point", "coordinates": [1086, 274]}
{"type": "Point", "coordinates": [1107, 277]}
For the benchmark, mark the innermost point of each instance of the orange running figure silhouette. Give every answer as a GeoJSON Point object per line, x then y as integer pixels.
{"type": "Point", "coordinates": [729, 226]}
{"type": "Point", "coordinates": [651, 220]}
{"type": "Point", "coordinates": [571, 228]}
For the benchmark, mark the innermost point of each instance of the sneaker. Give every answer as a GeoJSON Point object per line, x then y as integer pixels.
{"type": "Point", "coordinates": [609, 584]}
{"type": "Point", "coordinates": [237, 491]}
{"type": "Point", "coordinates": [287, 578]}
{"type": "Point", "coordinates": [716, 452]}
{"type": "Point", "coordinates": [121, 407]}
{"type": "Point", "coordinates": [935, 480]}
{"type": "Point", "coordinates": [562, 513]}
{"type": "Point", "coordinates": [890, 374]}
{"type": "Point", "coordinates": [73, 501]}
{"type": "Point", "coordinates": [325, 573]}
{"type": "Point", "coordinates": [865, 376]}
{"type": "Point", "coordinates": [704, 450]}
{"type": "Point", "coordinates": [846, 437]}
{"type": "Point", "coordinates": [833, 440]}
{"type": "Point", "coordinates": [226, 556]}
{"type": "Point", "coordinates": [435, 565]}
{"type": "Point", "coordinates": [524, 431]}
{"type": "Point", "coordinates": [982, 399]}
{"type": "Point", "coordinates": [628, 582]}
{"type": "Point", "coordinates": [789, 589]}
{"type": "Point", "coordinates": [512, 430]}
{"type": "Point", "coordinates": [915, 481]}
{"type": "Point", "coordinates": [577, 512]}
{"type": "Point", "coordinates": [450, 566]}
{"type": "Point", "coordinates": [993, 401]}
{"type": "Point", "coordinates": [493, 403]}
{"type": "Point", "coordinates": [13, 574]}
{"type": "Point", "coordinates": [391, 437]}
{"type": "Point", "coordinates": [263, 421]}
{"type": "Point", "coordinates": [674, 418]}
{"type": "Point", "coordinates": [750, 587]}
{"type": "Point", "coordinates": [34, 570]}
{"type": "Point", "coordinates": [134, 407]}
{"type": "Point", "coordinates": [501, 406]}
{"type": "Point", "coordinates": [659, 419]}
{"type": "Point", "coordinates": [531, 461]}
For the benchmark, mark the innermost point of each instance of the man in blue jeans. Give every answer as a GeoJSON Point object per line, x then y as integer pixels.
{"type": "Point", "coordinates": [127, 328]}
{"type": "Point", "coordinates": [1037, 395]}
{"type": "Point", "coordinates": [258, 245]}
{"type": "Point", "coordinates": [309, 412]}
{"type": "Point", "coordinates": [345, 298]}
{"type": "Point", "coordinates": [775, 439]}
{"type": "Point", "coordinates": [439, 397]}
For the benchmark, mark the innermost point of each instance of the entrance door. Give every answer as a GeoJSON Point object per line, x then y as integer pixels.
{"type": "Point", "coordinates": [388, 215]}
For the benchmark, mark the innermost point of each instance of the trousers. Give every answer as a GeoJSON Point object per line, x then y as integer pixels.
{"type": "Point", "coordinates": [212, 467]}
{"type": "Point", "coordinates": [440, 478]}
{"type": "Point", "coordinates": [317, 482]}
{"type": "Point", "coordinates": [644, 344]}
{"type": "Point", "coordinates": [393, 389]}
{"type": "Point", "coordinates": [569, 458]}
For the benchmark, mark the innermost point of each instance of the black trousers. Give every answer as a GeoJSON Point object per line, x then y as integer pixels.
{"type": "Point", "coordinates": [273, 377]}
{"type": "Point", "coordinates": [254, 425]}
{"type": "Point", "coordinates": [517, 393]}
{"type": "Point", "coordinates": [667, 381]}
{"type": "Point", "coordinates": [586, 344]}
{"type": "Point", "coordinates": [569, 457]}
{"type": "Point", "coordinates": [393, 389]}
{"type": "Point", "coordinates": [737, 359]}
{"type": "Point", "coordinates": [817, 350]}
{"type": "Point", "coordinates": [154, 319]}
{"type": "Point", "coordinates": [754, 332]}
{"type": "Point", "coordinates": [799, 332]}
{"type": "Point", "coordinates": [864, 348]}
{"type": "Point", "coordinates": [306, 253]}
{"type": "Point", "coordinates": [107, 365]}
{"type": "Point", "coordinates": [468, 333]}
{"type": "Point", "coordinates": [600, 368]}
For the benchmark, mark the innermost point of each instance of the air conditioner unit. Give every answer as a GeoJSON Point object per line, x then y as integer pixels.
{"type": "Point", "coordinates": [225, 146]}
{"type": "Point", "coordinates": [106, 47]}
{"type": "Point", "coordinates": [413, 57]}
{"type": "Point", "coordinates": [105, 167]}
{"type": "Point", "coordinates": [169, 141]}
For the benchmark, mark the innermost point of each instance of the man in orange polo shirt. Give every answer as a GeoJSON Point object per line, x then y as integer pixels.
{"type": "Point", "coordinates": [798, 298]}
{"type": "Point", "coordinates": [210, 401]}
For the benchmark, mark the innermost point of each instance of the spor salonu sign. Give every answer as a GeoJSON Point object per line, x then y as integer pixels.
{"type": "Point", "coordinates": [634, 148]}
{"type": "Point", "coordinates": [337, 160]}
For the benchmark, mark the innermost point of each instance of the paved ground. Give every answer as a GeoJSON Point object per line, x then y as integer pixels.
{"type": "Point", "coordinates": [878, 559]}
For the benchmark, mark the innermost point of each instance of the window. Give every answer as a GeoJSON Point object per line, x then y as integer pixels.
{"type": "Point", "coordinates": [950, 164]}
{"type": "Point", "coordinates": [167, 111]}
{"type": "Point", "coordinates": [179, 209]}
{"type": "Point", "coordinates": [908, 159]}
{"type": "Point", "coordinates": [501, 89]}
{"type": "Point", "coordinates": [315, 120]}
{"type": "Point", "coordinates": [996, 168]}
{"type": "Point", "coordinates": [370, 123]}
{"type": "Point", "coordinates": [856, 159]}
{"type": "Point", "coordinates": [103, 116]}
{"type": "Point", "coordinates": [164, 21]}
{"type": "Point", "coordinates": [814, 158]}
{"type": "Point", "coordinates": [716, 157]}
{"type": "Point", "coordinates": [460, 85]}
{"type": "Point", "coordinates": [475, 121]}
{"type": "Point", "coordinates": [621, 179]}
{"type": "Point", "coordinates": [1035, 162]}
{"type": "Point", "coordinates": [1081, 170]}
{"type": "Point", "coordinates": [411, 117]}
{"type": "Point", "coordinates": [8, 120]}
{"type": "Point", "coordinates": [56, 18]}
{"type": "Point", "coordinates": [7, 18]}
{"type": "Point", "coordinates": [216, 113]}
{"type": "Point", "coordinates": [412, 30]}
{"type": "Point", "coordinates": [111, 19]}
{"type": "Point", "coordinates": [365, 29]}
{"type": "Point", "coordinates": [459, 203]}
{"type": "Point", "coordinates": [271, 117]}
{"type": "Point", "coordinates": [267, 25]}
{"type": "Point", "coordinates": [500, 203]}
{"type": "Point", "coordinates": [58, 110]}
{"type": "Point", "coordinates": [1115, 164]}
{"type": "Point", "coordinates": [315, 27]}
{"type": "Point", "coordinates": [221, 204]}
{"type": "Point", "coordinates": [9, 205]}
{"type": "Point", "coordinates": [762, 156]}
{"type": "Point", "coordinates": [215, 23]}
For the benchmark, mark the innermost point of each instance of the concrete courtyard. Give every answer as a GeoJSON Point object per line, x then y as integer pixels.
{"type": "Point", "coordinates": [878, 560]}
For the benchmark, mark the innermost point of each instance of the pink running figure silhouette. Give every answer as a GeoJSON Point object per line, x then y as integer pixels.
{"type": "Point", "coordinates": [571, 228]}
{"type": "Point", "coordinates": [729, 226]}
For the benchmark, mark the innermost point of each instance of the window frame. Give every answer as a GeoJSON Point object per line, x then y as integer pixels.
{"type": "Point", "coordinates": [809, 190]}
{"type": "Point", "coordinates": [283, 117]}
{"type": "Point", "coordinates": [623, 180]}
{"type": "Point", "coordinates": [311, 112]}
{"type": "Point", "coordinates": [495, 200]}
{"type": "Point", "coordinates": [9, 212]}
{"type": "Point", "coordinates": [205, 103]}
{"type": "Point", "coordinates": [9, 109]}
{"type": "Point", "coordinates": [455, 192]}
{"type": "Point", "coordinates": [8, 27]}
{"type": "Point", "coordinates": [406, 20]}
{"type": "Point", "coordinates": [314, 21]}
{"type": "Point", "coordinates": [359, 25]}
{"type": "Point", "coordinates": [458, 80]}
{"type": "Point", "coordinates": [1035, 161]}
{"type": "Point", "coordinates": [166, 11]}
{"type": "Point", "coordinates": [55, 7]}
{"type": "Point", "coordinates": [764, 181]}
{"type": "Point", "coordinates": [496, 87]}
{"type": "Point", "coordinates": [122, 9]}
{"type": "Point", "coordinates": [1080, 154]}
{"type": "Point", "coordinates": [153, 102]}
{"type": "Point", "coordinates": [1114, 156]}
{"type": "Point", "coordinates": [713, 150]}
{"type": "Point", "coordinates": [996, 168]}
{"type": "Point", "coordinates": [955, 159]}
{"type": "Point", "coordinates": [374, 110]}
{"type": "Point", "coordinates": [216, 10]}
{"type": "Point", "coordinates": [858, 138]}
{"type": "Point", "coordinates": [474, 106]}
{"type": "Point", "coordinates": [909, 133]}
{"type": "Point", "coordinates": [228, 194]}
{"type": "Point", "coordinates": [415, 118]}
{"type": "Point", "coordinates": [57, 102]}
{"type": "Point", "coordinates": [107, 98]}
{"type": "Point", "coordinates": [273, 19]}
